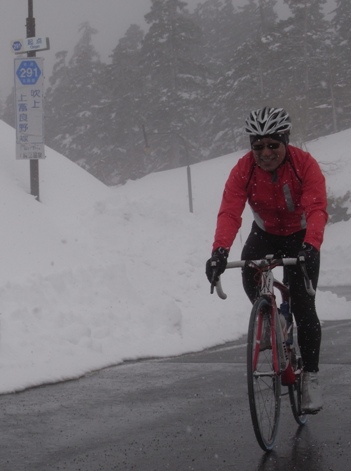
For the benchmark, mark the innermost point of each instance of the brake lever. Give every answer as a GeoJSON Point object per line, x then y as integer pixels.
{"type": "Point", "coordinates": [308, 283]}
{"type": "Point", "coordinates": [213, 280]}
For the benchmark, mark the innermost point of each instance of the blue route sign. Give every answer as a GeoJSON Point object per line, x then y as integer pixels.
{"type": "Point", "coordinates": [28, 72]}
{"type": "Point", "coordinates": [17, 46]}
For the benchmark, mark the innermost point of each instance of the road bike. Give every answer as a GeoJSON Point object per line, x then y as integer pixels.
{"type": "Point", "coordinates": [273, 358]}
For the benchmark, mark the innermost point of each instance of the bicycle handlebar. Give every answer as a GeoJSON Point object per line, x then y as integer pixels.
{"type": "Point", "coordinates": [267, 263]}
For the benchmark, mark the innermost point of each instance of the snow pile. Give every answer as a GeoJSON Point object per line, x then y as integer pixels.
{"type": "Point", "coordinates": [92, 276]}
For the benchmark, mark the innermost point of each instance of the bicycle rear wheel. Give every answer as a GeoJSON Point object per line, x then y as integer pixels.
{"type": "Point", "coordinates": [295, 393]}
{"type": "Point", "coordinates": [264, 385]}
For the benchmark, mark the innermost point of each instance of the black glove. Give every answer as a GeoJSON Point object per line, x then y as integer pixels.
{"type": "Point", "coordinates": [311, 255]}
{"type": "Point", "coordinates": [216, 265]}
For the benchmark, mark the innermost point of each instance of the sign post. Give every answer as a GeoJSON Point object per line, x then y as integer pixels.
{"type": "Point", "coordinates": [34, 163]}
{"type": "Point", "coordinates": [29, 95]}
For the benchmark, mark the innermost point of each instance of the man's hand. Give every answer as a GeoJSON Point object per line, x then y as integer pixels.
{"type": "Point", "coordinates": [216, 265]}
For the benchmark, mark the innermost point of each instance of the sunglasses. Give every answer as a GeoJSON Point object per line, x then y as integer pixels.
{"type": "Point", "coordinates": [271, 146]}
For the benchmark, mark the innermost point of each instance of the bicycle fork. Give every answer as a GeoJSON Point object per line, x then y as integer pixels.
{"type": "Point", "coordinates": [285, 367]}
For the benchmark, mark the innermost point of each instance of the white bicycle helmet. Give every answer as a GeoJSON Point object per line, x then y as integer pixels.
{"type": "Point", "coordinates": [268, 121]}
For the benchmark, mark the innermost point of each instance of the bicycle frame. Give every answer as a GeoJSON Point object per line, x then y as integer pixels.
{"type": "Point", "coordinates": [268, 282]}
{"type": "Point", "coordinates": [267, 285]}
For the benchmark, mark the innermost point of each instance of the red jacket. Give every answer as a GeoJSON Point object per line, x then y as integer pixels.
{"type": "Point", "coordinates": [283, 202]}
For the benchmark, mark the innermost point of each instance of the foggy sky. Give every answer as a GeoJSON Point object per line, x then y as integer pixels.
{"type": "Point", "coordinates": [60, 20]}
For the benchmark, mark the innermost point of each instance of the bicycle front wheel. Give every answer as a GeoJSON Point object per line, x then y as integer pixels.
{"type": "Point", "coordinates": [264, 384]}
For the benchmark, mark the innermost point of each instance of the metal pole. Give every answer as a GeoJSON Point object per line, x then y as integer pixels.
{"type": "Point", "coordinates": [190, 191]}
{"type": "Point", "coordinates": [34, 163]}
{"type": "Point", "coordinates": [188, 172]}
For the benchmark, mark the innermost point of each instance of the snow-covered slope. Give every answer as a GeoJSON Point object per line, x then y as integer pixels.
{"type": "Point", "coordinates": [91, 275]}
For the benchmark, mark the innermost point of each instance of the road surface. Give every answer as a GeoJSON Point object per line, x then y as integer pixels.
{"type": "Point", "coordinates": [178, 414]}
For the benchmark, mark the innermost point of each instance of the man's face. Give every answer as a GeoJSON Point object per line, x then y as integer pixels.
{"type": "Point", "coordinates": [268, 153]}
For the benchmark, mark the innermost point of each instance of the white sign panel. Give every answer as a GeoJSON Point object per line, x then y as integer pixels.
{"type": "Point", "coordinates": [29, 93]}
{"type": "Point", "coordinates": [19, 46]}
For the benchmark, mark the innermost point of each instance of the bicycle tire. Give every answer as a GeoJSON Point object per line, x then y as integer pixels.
{"type": "Point", "coordinates": [295, 396]}
{"type": "Point", "coordinates": [264, 384]}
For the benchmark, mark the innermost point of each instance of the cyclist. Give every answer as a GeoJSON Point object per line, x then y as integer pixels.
{"type": "Point", "coordinates": [286, 191]}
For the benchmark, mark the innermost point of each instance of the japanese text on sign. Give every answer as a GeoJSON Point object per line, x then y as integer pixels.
{"type": "Point", "coordinates": [19, 46]}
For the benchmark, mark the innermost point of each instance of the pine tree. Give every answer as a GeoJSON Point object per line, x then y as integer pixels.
{"type": "Point", "coordinates": [304, 54]}
{"type": "Point", "coordinates": [223, 34]}
{"type": "Point", "coordinates": [122, 83]}
{"type": "Point", "coordinates": [246, 80]}
{"type": "Point", "coordinates": [216, 19]}
{"type": "Point", "coordinates": [191, 81]}
{"type": "Point", "coordinates": [54, 106]}
{"type": "Point", "coordinates": [173, 83]}
{"type": "Point", "coordinates": [72, 115]}
{"type": "Point", "coordinates": [339, 66]}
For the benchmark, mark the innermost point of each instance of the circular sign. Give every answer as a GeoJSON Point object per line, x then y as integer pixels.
{"type": "Point", "coordinates": [17, 46]}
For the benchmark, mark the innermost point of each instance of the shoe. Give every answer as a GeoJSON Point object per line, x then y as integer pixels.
{"type": "Point", "coordinates": [311, 401]}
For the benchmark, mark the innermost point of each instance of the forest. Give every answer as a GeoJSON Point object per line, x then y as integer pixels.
{"type": "Point", "coordinates": [178, 92]}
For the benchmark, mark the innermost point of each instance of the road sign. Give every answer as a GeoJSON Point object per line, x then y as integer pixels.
{"type": "Point", "coordinates": [28, 71]}
{"type": "Point", "coordinates": [29, 92]}
{"type": "Point", "coordinates": [19, 46]}
{"type": "Point", "coordinates": [16, 46]}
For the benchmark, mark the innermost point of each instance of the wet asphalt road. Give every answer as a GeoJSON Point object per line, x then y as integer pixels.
{"type": "Point", "coordinates": [179, 414]}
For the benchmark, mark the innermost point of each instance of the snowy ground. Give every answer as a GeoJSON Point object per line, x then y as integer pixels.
{"type": "Point", "coordinates": [92, 276]}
